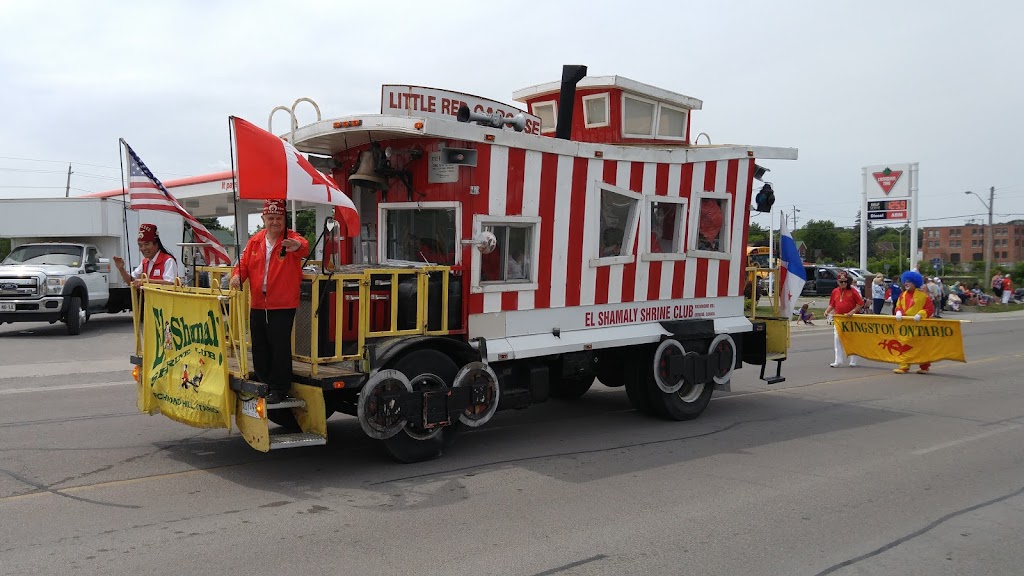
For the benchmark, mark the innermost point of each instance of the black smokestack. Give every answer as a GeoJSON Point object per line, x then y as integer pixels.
{"type": "Point", "coordinates": [571, 75]}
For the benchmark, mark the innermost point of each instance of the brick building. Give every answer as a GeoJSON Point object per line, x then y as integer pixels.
{"type": "Point", "coordinates": [966, 243]}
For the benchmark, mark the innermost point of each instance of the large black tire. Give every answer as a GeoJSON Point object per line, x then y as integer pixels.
{"type": "Point", "coordinates": [685, 404]}
{"type": "Point", "coordinates": [571, 387]}
{"type": "Point", "coordinates": [403, 447]}
{"type": "Point", "coordinates": [73, 318]}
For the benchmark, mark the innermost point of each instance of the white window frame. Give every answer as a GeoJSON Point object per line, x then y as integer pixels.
{"type": "Point", "coordinates": [382, 228]}
{"type": "Point", "coordinates": [478, 287]}
{"type": "Point", "coordinates": [657, 122]}
{"type": "Point", "coordinates": [726, 252]}
{"type": "Point", "coordinates": [607, 110]}
{"type": "Point", "coordinates": [630, 233]}
{"type": "Point", "coordinates": [554, 114]}
{"type": "Point", "coordinates": [654, 116]}
{"type": "Point", "coordinates": [683, 218]}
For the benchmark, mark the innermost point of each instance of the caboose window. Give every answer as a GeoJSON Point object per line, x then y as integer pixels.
{"type": "Point", "coordinates": [595, 110]}
{"type": "Point", "coordinates": [425, 232]}
{"type": "Point", "coordinates": [618, 216]}
{"type": "Point", "coordinates": [666, 217]}
{"type": "Point", "coordinates": [671, 122]}
{"type": "Point", "coordinates": [711, 227]}
{"type": "Point", "coordinates": [512, 258]}
{"type": "Point", "coordinates": [547, 112]}
{"type": "Point", "coordinates": [512, 265]}
{"type": "Point", "coordinates": [637, 117]}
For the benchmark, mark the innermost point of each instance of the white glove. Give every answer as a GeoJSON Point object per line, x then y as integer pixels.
{"type": "Point", "coordinates": [899, 315]}
{"type": "Point", "coordinates": [917, 317]}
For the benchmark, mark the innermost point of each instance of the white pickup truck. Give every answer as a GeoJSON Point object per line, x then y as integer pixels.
{"type": "Point", "coordinates": [55, 281]}
{"type": "Point", "coordinates": [59, 268]}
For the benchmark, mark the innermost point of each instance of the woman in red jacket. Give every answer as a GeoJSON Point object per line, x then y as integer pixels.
{"type": "Point", "coordinates": [272, 263]}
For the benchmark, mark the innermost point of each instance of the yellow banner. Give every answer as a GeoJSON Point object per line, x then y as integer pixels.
{"type": "Point", "coordinates": [885, 339]}
{"type": "Point", "coordinates": [185, 372]}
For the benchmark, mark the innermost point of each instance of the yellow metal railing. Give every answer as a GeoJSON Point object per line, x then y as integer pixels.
{"type": "Point", "coordinates": [777, 328]}
{"type": "Point", "coordinates": [234, 311]}
{"type": "Point", "coordinates": [371, 283]}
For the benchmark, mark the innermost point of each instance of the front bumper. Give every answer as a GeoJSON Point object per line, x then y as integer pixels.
{"type": "Point", "coordinates": [46, 309]}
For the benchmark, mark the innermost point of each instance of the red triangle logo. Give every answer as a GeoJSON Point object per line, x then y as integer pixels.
{"type": "Point", "coordinates": [887, 179]}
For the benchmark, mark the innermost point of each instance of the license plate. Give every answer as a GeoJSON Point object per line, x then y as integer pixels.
{"type": "Point", "coordinates": [249, 408]}
{"type": "Point", "coordinates": [7, 307]}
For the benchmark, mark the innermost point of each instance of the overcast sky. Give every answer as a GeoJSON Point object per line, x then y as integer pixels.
{"type": "Point", "coordinates": [849, 84]}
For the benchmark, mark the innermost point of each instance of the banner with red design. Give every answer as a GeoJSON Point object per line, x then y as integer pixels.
{"type": "Point", "coordinates": [886, 339]}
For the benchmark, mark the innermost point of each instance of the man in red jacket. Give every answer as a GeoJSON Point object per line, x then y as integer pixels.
{"type": "Point", "coordinates": [272, 263]}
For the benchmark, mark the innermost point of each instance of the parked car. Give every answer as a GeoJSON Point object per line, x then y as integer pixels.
{"type": "Point", "coordinates": [821, 280]}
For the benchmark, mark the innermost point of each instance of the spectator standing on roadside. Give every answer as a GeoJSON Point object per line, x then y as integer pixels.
{"type": "Point", "coordinates": [272, 263]}
{"type": "Point", "coordinates": [894, 292]}
{"type": "Point", "coordinates": [1007, 289]}
{"type": "Point", "coordinates": [845, 300]}
{"type": "Point", "coordinates": [935, 293]}
{"type": "Point", "coordinates": [997, 284]}
{"type": "Point", "coordinates": [878, 293]}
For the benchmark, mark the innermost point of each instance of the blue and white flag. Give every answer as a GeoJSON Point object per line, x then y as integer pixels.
{"type": "Point", "coordinates": [791, 268]}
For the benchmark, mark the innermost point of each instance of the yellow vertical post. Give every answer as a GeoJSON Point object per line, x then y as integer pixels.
{"type": "Point", "coordinates": [314, 328]}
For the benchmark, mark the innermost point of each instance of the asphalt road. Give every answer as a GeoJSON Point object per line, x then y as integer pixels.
{"type": "Point", "coordinates": [835, 471]}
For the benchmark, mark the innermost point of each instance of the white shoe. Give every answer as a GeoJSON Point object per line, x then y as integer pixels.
{"type": "Point", "coordinates": [836, 365]}
{"type": "Point", "coordinates": [853, 363]}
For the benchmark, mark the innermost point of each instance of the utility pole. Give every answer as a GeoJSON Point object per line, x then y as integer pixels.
{"type": "Point", "coordinates": [67, 187]}
{"type": "Point", "coordinates": [988, 236]}
{"type": "Point", "coordinates": [795, 210]}
{"type": "Point", "coordinates": [988, 255]}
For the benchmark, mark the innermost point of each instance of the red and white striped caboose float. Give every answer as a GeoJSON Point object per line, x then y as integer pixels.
{"type": "Point", "coordinates": [588, 236]}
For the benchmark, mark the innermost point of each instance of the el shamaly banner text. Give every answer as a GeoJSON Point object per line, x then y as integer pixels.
{"type": "Point", "coordinates": [185, 373]}
{"type": "Point", "coordinates": [885, 339]}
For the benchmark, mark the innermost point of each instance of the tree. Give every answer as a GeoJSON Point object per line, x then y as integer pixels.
{"type": "Point", "coordinates": [757, 236]}
{"type": "Point", "coordinates": [822, 237]}
{"type": "Point", "coordinates": [5, 247]}
{"type": "Point", "coordinates": [211, 224]}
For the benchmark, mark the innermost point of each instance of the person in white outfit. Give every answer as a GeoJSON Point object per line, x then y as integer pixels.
{"type": "Point", "coordinates": [846, 300]}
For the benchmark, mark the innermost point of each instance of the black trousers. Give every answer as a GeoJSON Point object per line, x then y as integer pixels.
{"type": "Point", "coordinates": [272, 346]}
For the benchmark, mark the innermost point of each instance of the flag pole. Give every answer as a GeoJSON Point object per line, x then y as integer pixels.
{"type": "Point", "coordinates": [234, 189]}
{"type": "Point", "coordinates": [124, 205]}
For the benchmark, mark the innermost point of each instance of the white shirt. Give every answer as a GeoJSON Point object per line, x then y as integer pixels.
{"type": "Point", "coordinates": [170, 271]}
{"type": "Point", "coordinates": [266, 262]}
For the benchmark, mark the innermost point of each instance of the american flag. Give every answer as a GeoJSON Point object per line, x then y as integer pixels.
{"type": "Point", "coordinates": [147, 193]}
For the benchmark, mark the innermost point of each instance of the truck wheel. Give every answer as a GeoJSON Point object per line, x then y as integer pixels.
{"type": "Point", "coordinates": [73, 318]}
{"type": "Point", "coordinates": [424, 367]}
{"type": "Point", "coordinates": [685, 404]}
{"type": "Point", "coordinates": [571, 387]}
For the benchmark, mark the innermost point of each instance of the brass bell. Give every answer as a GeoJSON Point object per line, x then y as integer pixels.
{"type": "Point", "coordinates": [366, 175]}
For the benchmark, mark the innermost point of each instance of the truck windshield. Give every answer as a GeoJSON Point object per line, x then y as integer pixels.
{"type": "Point", "coordinates": [59, 254]}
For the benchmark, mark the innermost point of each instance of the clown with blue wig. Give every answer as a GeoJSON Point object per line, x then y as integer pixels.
{"type": "Point", "coordinates": [915, 303]}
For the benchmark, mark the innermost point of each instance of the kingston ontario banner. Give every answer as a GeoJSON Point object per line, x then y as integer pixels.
{"type": "Point", "coordinates": [185, 374]}
{"type": "Point", "coordinates": [885, 339]}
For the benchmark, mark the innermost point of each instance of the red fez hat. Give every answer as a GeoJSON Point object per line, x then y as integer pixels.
{"type": "Point", "coordinates": [147, 233]}
{"type": "Point", "coordinates": [273, 207]}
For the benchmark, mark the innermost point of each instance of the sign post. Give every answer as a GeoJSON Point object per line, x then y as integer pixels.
{"type": "Point", "coordinates": [890, 194]}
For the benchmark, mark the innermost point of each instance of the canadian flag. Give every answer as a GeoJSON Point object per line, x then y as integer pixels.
{"type": "Point", "coordinates": [271, 168]}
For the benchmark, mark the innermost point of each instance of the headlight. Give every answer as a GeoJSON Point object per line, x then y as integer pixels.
{"type": "Point", "coordinates": [55, 284]}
